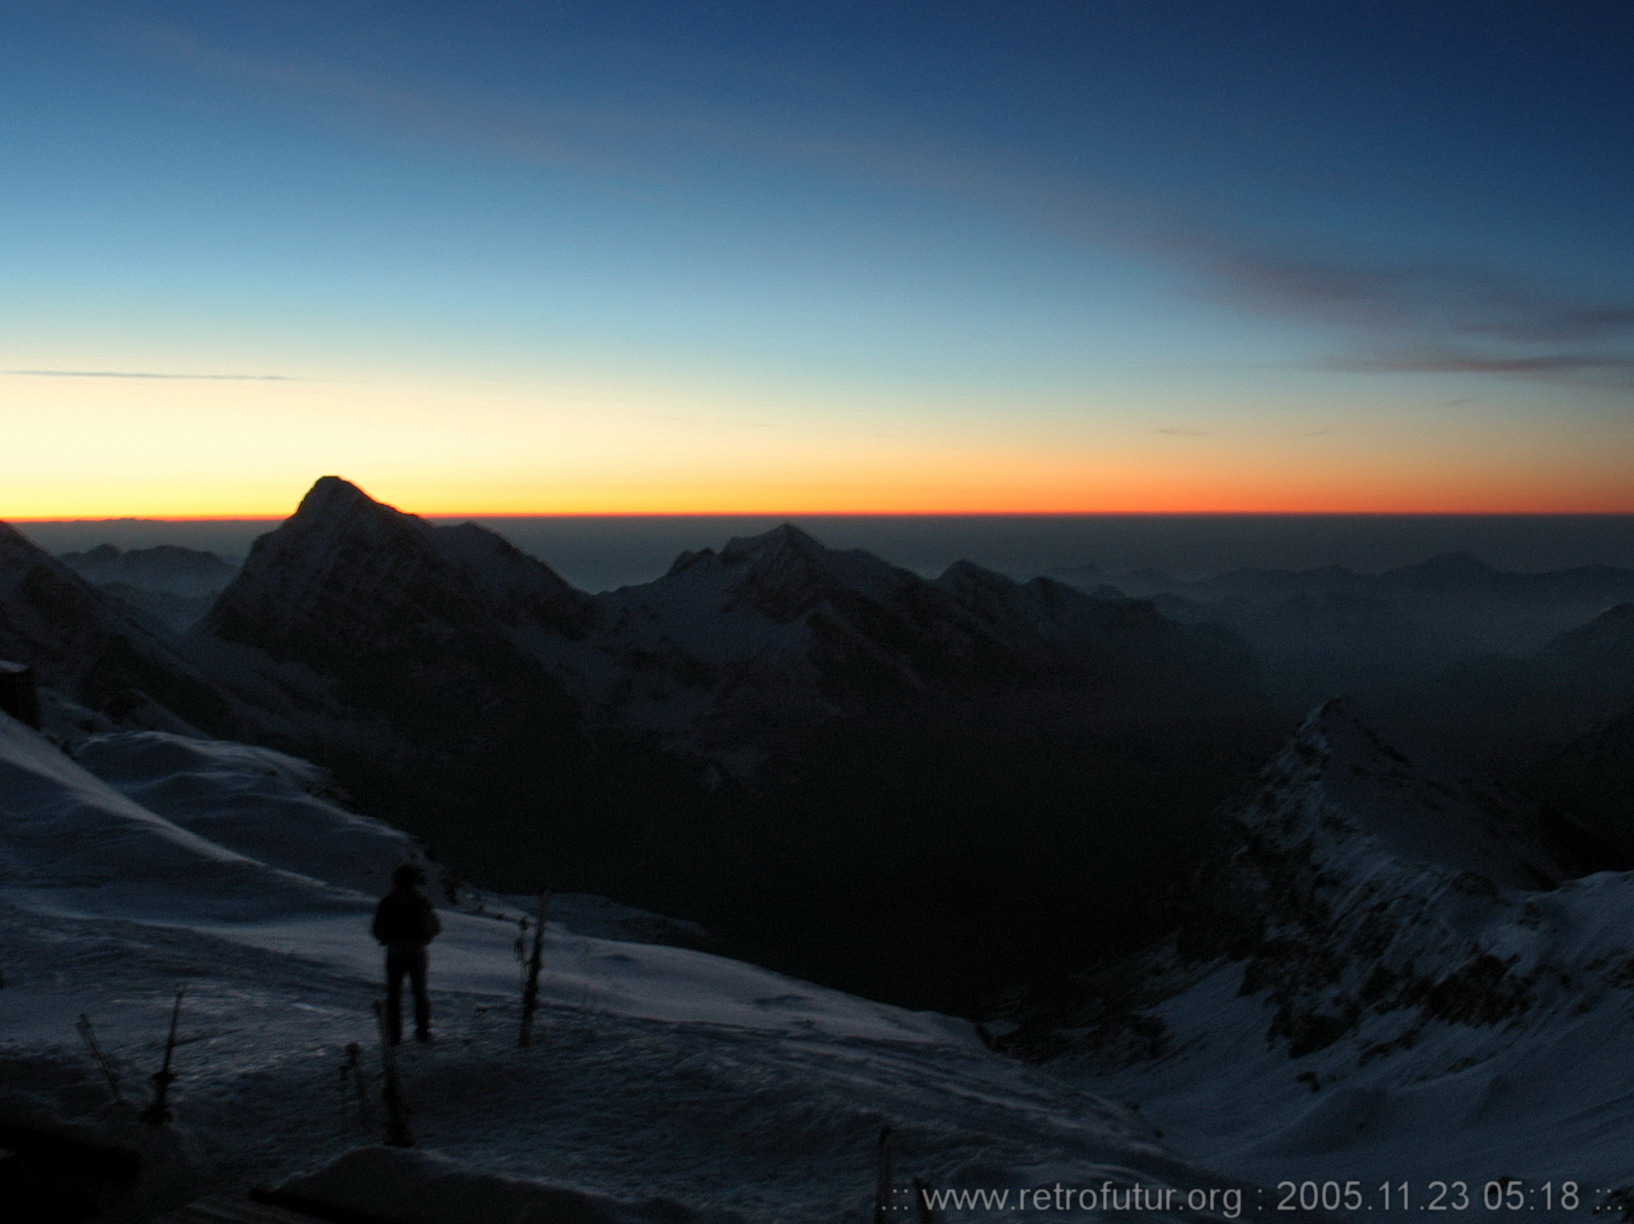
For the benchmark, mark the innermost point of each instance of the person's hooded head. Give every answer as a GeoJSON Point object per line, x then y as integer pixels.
{"type": "Point", "coordinates": [408, 876]}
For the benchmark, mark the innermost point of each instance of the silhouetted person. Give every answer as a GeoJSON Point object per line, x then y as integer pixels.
{"type": "Point", "coordinates": [405, 922]}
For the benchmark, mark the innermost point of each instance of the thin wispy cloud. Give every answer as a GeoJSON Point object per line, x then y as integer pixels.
{"type": "Point", "coordinates": [580, 139]}
{"type": "Point", "coordinates": [1185, 433]}
{"type": "Point", "coordinates": [1584, 368]}
{"type": "Point", "coordinates": [149, 374]}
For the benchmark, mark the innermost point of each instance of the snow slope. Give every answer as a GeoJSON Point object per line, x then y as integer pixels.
{"type": "Point", "coordinates": [721, 1089]}
{"type": "Point", "coordinates": [1380, 984]}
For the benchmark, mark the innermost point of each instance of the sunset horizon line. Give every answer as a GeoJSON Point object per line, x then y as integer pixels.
{"type": "Point", "coordinates": [838, 514]}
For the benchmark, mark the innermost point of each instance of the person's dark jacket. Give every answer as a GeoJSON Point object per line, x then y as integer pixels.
{"type": "Point", "coordinates": [405, 919]}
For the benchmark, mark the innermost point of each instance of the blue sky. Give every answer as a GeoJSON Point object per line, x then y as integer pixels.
{"type": "Point", "coordinates": [1052, 256]}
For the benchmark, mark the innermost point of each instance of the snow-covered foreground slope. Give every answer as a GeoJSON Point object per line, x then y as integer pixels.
{"type": "Point", "coordinates": [1380, 985]}
{"type": "Point", "coordinates": [657, 1072]}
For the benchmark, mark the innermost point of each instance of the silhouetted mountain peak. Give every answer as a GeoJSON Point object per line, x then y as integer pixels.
{"type": "Point", "coordinates": [783, 539]}
{"type": "Point", "coordinates": [785, 572]}
{"type": "Point", "coordinates": [965, 575]}
{"type": "Point", "coordinates": [344, 564]}
{"type": "Point", "coordinates": [325, 568]}
{"type": "Point", "coordinates": [332, 500]}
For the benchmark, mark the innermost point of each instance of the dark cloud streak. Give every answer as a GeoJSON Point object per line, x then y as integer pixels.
{"type": "Point", "coordinates": [1429, 318]}
{"type": "Point", "coordinates": [1426, 316]}
{"type": "Point", "coordinates": [1455, 299]}
{"type": "Point", "coordinates": [1409, 362]}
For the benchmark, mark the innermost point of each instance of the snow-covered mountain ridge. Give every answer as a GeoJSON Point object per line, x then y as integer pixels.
{"type": "Point", "coordinates": [771, 630]}
{"type": "Point", "coordinates": [1379, 976]}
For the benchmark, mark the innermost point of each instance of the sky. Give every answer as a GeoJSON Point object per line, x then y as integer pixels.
{"type": "Point", "coordinates": [502, 257]}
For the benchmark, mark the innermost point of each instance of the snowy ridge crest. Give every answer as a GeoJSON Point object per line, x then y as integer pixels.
{"type": "Point", "coordinates": [1339, 786]}
{"type": "Point", "coordinates": [1368, 919]}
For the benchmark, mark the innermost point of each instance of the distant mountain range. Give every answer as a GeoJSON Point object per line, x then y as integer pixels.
{"type": "Point", "coordinates": [1328, 630]}
{"type": "Point", "coordinates": [174, 585]}
{"type": "Point", "coordinates": [165, 567]}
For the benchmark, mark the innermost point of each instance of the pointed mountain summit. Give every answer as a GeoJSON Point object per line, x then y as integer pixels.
{"type": "Point", "coordinates": [785, 573]}
{"type": "Point", "coordinates": [735, 602]}
{"type": "Point", "coordinates": [346, 572]}
{"type": "Point", "coordinates": [332, 497]}
{"type": "Point", "coordinates": [428, 636]}
{"type": "Point", "coordinates": [326, 573]}
{"type": "Point", "coordinates": [784, 538]}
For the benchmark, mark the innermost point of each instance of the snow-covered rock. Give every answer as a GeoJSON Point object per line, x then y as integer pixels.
{"type": "Point", "coordinates": [1380, 977]}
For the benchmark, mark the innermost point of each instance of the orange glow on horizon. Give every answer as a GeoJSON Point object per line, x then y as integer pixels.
{"type": "Point", "coordinates": [200, 451]}
{"type": "Point", "coordinates": [794, 505]}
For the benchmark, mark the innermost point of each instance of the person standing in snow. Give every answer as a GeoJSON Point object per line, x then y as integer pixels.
{"type": "Point", "coordinates": [405, 923]}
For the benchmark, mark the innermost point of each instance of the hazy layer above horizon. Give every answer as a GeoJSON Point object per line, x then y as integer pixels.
{"type": "Point", "coordinates": [600, 552]}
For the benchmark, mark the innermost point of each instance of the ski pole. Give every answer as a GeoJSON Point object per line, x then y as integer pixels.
{"type": "Point", "coordinates": [88, 1035]}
